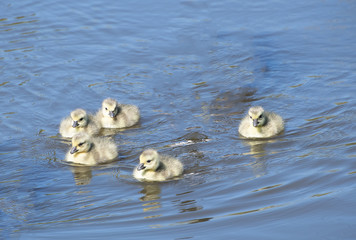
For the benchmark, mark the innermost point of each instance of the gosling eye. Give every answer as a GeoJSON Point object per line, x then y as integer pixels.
{"type": "Point", "coordinates": [148, 161]}
{"type": "Point", "coordinates": [260, 116]}
{"type": "Point", "coordinates": [81, 119]}
{"type": "Point", "coordinates": [250, 117]}
{"type": "Point", "coordinates": [80, 144]}
{"type": "Point", "coordinates": [106, 108]}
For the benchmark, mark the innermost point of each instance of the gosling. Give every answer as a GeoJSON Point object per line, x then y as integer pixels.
{"type": "Point", "coordinates": [260, 124]}
{"type": "Point", "coordinates": [116, 115]}
{"type": "Point", "coordinates": [79, 121]}
{"type": "Point", "coordinates": [156, 167]}
{"type": "Point", "coordinates": [88, 150]}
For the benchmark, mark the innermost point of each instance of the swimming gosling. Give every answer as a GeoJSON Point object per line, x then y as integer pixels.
{"type": "Point", "coordinates": [88, 150]}
{"type": "Point", "coordinates": [260, 124]}
{"type": "Point", "coordinates": [156, 167]}
{"type": "Point", "coordinates": [116, 115]}
{"type": "Point", "coordinates": [79, 121]}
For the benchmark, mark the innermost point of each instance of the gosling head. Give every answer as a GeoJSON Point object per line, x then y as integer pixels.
{"type": "Point", "coordinates": [257, 116]}
{"type": "Point", "coordinates": [79, 117]}
{"type": "Point", "coordinates": [149, 160]}
{"type": "Point", "coordinates": [80, 143]}
{"type": "Point", "coordinates": [110, 107]}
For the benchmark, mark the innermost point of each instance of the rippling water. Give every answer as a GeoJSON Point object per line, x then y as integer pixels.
{"type": "Point", "coordinates": [194, 67]}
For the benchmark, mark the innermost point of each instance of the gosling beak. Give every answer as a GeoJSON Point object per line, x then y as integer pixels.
{"type": "Point", "coordinates": [73, 150]}
{"type": "Point", "coordinates": [111, 114]}
{"type": "Point", "coordinates": [255, 122]}
{"type": "Point", "coordinates": [75, 124]}
{"type": "Point", "coordinates": [141, 166]}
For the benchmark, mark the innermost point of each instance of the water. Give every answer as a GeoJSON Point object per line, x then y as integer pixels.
{"type": "Point", "coordinates": [194, 68]}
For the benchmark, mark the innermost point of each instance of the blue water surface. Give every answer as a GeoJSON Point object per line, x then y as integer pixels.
{"type": "Point", "coordinates": [194, 67]}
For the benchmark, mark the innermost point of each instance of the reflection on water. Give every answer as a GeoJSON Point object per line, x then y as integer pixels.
{"type": "Point", "coordinates": [258, 151]}
{"type": "Point", "coordinates": [150, 191]}
{"type": "Point", "coordinates": [82, 174]}
{"type": "Point", "coordinates": [257, 147]}
{"type": "Point", "coordinates": [189, 206]}
{"type": "Point", "coordinates": [151, 197]}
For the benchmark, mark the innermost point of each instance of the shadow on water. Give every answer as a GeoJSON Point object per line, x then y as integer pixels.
{"type": "Point", "coordinates": [235, 101]}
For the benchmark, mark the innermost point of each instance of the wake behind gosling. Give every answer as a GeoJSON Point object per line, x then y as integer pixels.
{"type": "Point", "coordinates": [157, 167]}
{"type": "Point", "coordinates": [88, 150]}
{"type": "Point", "coordinates": [259, 123]}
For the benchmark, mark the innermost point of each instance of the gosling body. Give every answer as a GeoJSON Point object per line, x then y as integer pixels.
{"type": "Point", "coordinates": [116, 115]}
{"type": "Point", "coordinates": [79, 121]}
{"type": "Point", "coordinates": [157, 167]}
{"type": "Point", "coordinates": [261, 124]}
{"type": "Point", "coordinates": [88, 150]}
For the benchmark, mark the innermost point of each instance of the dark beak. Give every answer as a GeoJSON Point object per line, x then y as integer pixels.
{"type": "Point", "coordinates": [111, 114]}
{"type": "Point", "coordinates": [75, 124]}
{"type": "Point", "coordinates": [141, 166]}
{"type": "Point", "coordinates": [73, 150]}
{"type": "Point", "coordinates": [255, 122]}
